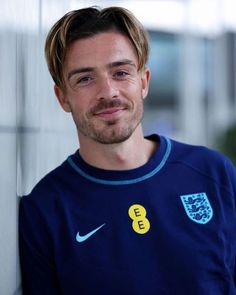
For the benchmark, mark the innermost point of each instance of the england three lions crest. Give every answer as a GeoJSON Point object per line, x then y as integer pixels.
{"type": "Point", "coordinates": [197, 207]}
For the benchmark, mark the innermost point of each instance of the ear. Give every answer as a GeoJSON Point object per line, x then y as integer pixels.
{"type": "Point", "coordinates": [62, 98]}
{"type": "Point", "coordinates": [145, 81]}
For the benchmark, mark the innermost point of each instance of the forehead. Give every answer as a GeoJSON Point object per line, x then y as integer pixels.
{"type": "Point", "coordinates": [99, 50]}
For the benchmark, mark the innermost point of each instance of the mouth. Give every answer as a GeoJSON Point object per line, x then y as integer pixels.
{"type": "Point", "coordinates": [110, 113]}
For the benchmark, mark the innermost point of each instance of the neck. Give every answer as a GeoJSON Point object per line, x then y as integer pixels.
{"type": "Point", "coordinates": [130, 154]}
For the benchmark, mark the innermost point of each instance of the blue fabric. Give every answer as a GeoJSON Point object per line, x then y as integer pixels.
{"type": "Point", "coordinates": [89, 231]}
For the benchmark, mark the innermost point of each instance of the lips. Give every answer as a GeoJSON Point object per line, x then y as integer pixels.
{"type": "Point", "coordinates": [109, 111]}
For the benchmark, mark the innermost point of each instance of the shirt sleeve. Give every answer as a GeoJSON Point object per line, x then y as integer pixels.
{"type": "Point", "coordinates": [36, 255]}
{"type": "Point", "coordinates": [232, 171]}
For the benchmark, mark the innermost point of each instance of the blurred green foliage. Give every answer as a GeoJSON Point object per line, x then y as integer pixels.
{"type": "Point", "coordinates": [227, 143]}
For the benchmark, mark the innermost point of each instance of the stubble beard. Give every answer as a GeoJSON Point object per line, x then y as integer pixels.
{"type": "Point", "coordinates": [112, 131]}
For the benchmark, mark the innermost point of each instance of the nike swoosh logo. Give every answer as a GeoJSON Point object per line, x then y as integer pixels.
{"type": "Point", "coordinates": [80, 238]}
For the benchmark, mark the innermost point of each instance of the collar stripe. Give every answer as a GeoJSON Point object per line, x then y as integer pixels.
{"type": "Point", "coordinates": [128, 181]}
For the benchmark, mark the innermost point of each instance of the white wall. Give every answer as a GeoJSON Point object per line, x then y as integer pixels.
{"type": "Point", "coordinates": [35, 135]}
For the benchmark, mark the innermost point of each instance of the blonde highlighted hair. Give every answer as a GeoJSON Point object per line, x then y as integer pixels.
{"type": "Point", "coordinates": [87, 22]}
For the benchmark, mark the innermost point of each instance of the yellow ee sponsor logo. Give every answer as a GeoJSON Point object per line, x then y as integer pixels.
{"type": "Point", "coordinates": [140, 224]}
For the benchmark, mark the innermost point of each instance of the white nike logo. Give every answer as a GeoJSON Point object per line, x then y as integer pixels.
{"type": "Point", "coordinates": [80, 238]}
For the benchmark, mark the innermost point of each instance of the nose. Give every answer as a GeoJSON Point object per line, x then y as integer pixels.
{"type": "Point", "coordinates": [107, 89]}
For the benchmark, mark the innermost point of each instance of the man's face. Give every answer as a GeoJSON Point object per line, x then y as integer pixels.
{"type": "Point", "coordinates": [104, 90]}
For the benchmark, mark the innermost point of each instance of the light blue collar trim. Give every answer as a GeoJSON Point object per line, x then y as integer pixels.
{"type": "Point", "coordinates": [124, 182]}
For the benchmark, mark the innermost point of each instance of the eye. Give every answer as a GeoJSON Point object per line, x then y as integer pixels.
{"type": "Point", "coordinates": [84, 80]}
{"type": "Point", "coordinates": [121, 74]}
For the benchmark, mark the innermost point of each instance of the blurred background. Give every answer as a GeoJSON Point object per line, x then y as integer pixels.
{"type": "Point", "coordinates": [192, 94]}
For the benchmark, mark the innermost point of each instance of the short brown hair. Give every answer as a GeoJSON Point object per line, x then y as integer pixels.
{"type": "Point", "coordinates": [87, 22]}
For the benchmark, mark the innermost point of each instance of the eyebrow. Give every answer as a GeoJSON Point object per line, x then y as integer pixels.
{"type": "Point", "coordinates": [122, 62]}
{"type": "Point", "coordinates": [110, 65]}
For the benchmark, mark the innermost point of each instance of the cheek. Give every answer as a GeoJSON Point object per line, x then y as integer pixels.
{"type": "Point", "coordinates": [79, 101]}
{"type": "Point", "coordinates": [131, 87]}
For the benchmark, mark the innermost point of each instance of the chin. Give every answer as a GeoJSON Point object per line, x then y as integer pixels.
{"type": "Point", "coordinates": [113, 137]}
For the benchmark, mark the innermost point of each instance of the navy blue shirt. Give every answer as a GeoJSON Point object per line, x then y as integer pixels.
{"type": "Point", "coordinates": [165, 228]}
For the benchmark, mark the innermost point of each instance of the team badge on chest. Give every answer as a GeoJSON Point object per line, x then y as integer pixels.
{"type": "Point", "coordinates": [197, 207]}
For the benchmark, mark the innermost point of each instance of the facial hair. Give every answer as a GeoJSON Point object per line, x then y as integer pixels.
{"type": "Point", "coordinates": [110, 131]}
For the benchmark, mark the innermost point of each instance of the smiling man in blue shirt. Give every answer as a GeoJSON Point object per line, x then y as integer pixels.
{"type": "Point", "coordinates": [125, 214]}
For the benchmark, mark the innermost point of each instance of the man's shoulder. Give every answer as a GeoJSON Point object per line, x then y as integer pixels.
{"type": "Point", "coordinates": [203, 160]}
{"type": "Point", "coordinates": [51, 184]}
{"type": "Point", "coordinates": [194, 153]}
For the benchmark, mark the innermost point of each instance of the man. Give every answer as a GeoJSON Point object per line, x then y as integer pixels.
{"type": "Point", "coordinates": [125, 214]}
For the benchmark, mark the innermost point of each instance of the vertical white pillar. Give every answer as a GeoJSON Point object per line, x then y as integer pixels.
{"type": "Point", "coordinates": [191, 100]}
